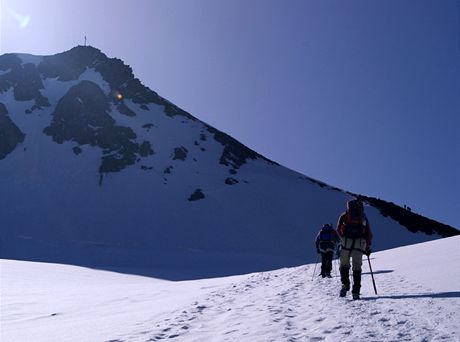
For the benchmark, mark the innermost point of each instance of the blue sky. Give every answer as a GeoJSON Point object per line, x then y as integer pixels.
{"type": "Point", "coordinates": [364, 95]}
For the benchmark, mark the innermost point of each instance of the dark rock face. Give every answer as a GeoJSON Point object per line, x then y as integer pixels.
{"type": "Point", "coordinates": [197, 195]}
{"type": "Point", "coordinates": [413, 222]}
{"type": "Point", "coordinates": [82, 115]}
{"type": "Point", "coordinates": [145, 149]}
{"type": "Point", "coordinates": [148, 126]}
{"type": "Point", "coordinates": [231, 181]}
{"type": "Point", "coordinates": [9, 61]}
{"type": "Point", "coordinates": [125, 110]}
{"type": "Point", "coordinates": [121, 79]}
{"type": "Point", "coordinates": [69, 65]}
{"type": "Point", "coordinates": [235, 153]}
{"type": "Point", "coordinates": [24, 79]}
{"type": "Point", "coordinates": [168, 170]}
{"type": "Point", "coordinates": [116, 74]}
{"type": "Point", "coordinates": [10, 134]}
{"type": "Point", "coordinates": [180, 153]}
{"type": "Point", "coordinates": [79, 114]}
{"type": "Point", "coordinates": [77, 150]}
{"type": "Point", "coordinates": [27, 82]}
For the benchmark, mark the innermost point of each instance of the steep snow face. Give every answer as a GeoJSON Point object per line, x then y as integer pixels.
{"type": "Point", "coordinates": [418, 300]}
{"type": "Point", "coordinates": [98, 170]}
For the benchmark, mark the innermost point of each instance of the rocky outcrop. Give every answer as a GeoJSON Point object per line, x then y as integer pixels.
{"type": "Point", "coordinates": [82, 116]}
{"type": "Point", "coordinates": [235, 154]}
{"type": "Point", "coordinates": [412, 221]}
{"type": "Point", "coordinates": [24, 79]}
{"type": "Point", "coordinates": [180, 153]}
{"type": "Point", "coordinates": [197, 195]}
{"type": "Point", "coordinates": [10, 134]}
{"type": "Point", "coordinates": [69, 65]}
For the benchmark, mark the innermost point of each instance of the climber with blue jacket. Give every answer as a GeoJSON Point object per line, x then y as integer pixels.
{"type": "Point", "coordinates": [326, 242]}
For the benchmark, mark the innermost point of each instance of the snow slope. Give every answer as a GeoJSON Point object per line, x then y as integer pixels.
{"type": "Point", "coordinates": [418, 300]}
{"type": "Point", "coordinates": [94, 179]}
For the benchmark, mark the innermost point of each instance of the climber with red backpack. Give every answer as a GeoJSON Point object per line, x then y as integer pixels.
{"type": "Point", "coordinates": [355, 239]}
{"type": "Point", "coordinates": [326, 242]}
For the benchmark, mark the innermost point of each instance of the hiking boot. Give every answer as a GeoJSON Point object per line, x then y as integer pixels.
{"type": "Point", "coordinates": [328, 275]}
{"type": "Point", "coordinates": [355, 296]}
{"type": "Point", "coordinates": [343, 291]}
{"type": "Point", "coordinates": [344, 277]}
{"type": "Point", "coordinates": [356, 282]}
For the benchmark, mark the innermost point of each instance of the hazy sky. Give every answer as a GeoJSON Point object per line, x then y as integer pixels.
{"type": "Point", "coordinates": [364, 95]}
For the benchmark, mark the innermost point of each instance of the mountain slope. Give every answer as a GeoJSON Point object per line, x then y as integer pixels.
{"type": "Point", "coordinates": [418, 300]}
{"type": "Point", "coordinates": [98, 170]}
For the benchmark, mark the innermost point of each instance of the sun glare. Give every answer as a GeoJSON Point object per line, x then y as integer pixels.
{"type": "Point", "coordinates": [23, 20]}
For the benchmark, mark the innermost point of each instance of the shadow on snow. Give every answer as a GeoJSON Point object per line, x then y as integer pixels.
{"type": "Point", "coordinates": [379, 272]}
{"type": "Point", "coordinates": [175, 264]}
{"type": "Point", "coordinates": [454, 294]}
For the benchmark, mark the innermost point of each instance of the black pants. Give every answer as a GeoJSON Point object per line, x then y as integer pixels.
{"type": "Point", "coordinates": [326, 263]}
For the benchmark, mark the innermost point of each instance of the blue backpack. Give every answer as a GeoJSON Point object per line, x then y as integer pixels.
{"type": "Point", "coordinates": [326, 238]}
{"type": "Point", "coordinates": [325, 234]}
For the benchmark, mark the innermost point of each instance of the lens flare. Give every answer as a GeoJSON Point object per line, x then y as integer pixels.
{"type": "Point", "coordinates": [119, 97]}
{"type": "Point", "coordinates": [23, 20]}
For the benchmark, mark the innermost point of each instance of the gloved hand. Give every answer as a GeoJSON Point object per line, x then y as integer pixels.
{"type": "Point", "coordinates": [368, 251]}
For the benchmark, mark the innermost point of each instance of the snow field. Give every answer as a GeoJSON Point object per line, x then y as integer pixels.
{"type": "Point", "coordinates": [418, 300]}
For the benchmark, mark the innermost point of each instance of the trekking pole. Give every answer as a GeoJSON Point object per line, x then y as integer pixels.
{"type": "Point", "coordinates": [314, 271]}
{"type": "Point", "coordinates": [372, 274]}
{"type": "Point", "coordinates": [335, 267]}
{"type": "Point", "coordinates": [337, 261]}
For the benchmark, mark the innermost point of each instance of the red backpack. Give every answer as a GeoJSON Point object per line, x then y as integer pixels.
{"type": "Point", "coordinates": [355, 220]}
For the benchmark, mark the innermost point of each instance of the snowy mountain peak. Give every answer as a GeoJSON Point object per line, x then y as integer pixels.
{"type": "Point", "coordinates": [99, 87]}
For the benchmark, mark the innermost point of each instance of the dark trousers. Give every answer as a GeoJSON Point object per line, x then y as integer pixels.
{"type": "Point", "coordinates": [326, 263]}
